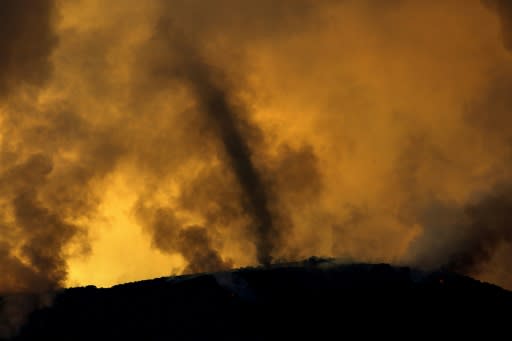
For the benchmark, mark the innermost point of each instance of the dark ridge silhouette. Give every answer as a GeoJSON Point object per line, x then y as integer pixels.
{"type": "Point", "coordinates": [283, 301]}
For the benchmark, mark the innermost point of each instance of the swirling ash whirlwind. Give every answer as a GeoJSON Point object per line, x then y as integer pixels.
{"type": "Point", "coordinates": [144, 138]}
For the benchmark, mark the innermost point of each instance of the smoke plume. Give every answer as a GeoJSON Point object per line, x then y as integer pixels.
{"type": "Point", "coordinates": [232, 130]}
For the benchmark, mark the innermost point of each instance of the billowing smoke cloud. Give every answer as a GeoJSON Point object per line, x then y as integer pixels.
{"type": "Point", "coordinates": [193, 242]}
{"type": "Point", "coordinates": [43, 198]}
{"type": "Point", "coordinates": [43, 233]}
{"type": "Point", "coordinates": [464, 239]}
{"type": "Point", "coordinates": [503, 9]}
{"type": "Point", "coordinates": [27, 39]}
{"type": "Point", "coordinates": [238, 132]}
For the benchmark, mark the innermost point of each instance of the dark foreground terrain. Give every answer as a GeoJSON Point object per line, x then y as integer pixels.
{"type": "Point", "coordinates": [315, 299]}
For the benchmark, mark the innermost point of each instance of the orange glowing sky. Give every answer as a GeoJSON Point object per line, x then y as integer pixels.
{"type": "Point", "coordinates": [379, 121]}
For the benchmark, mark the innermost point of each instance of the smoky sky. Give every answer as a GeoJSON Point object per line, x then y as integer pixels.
{"type": "Point", "coordinates": [232, 133]}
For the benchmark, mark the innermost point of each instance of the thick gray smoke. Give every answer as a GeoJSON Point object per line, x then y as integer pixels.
{"type": "Point", "coordinates": [193, 242]}
{"type": "Point", "coordinates": [27, 39]}
{"type": "Point", "coordinates": [464, 239]}
{"type": "Point", "coordinates": [503, 9]}
{"type": "Point", "coordinates": [254, 130]}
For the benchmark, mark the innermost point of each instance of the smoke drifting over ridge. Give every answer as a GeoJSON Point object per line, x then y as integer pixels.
{"type": "Point", "coordinates": [238, 132]}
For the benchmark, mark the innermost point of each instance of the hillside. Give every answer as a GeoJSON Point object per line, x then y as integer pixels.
{"type": "Point", "coordinates": [279, 302]}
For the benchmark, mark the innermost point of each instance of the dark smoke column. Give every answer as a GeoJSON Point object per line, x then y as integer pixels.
{"type": "Point", "coordinates": [213, 101]}
{"type": "Point", "coordinates": [218, 109]}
